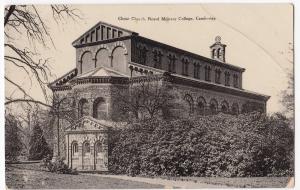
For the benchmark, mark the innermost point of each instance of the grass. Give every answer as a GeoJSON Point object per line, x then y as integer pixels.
{"type": "Point", "coordinates": [31, 176]}
{"type": "Point", "coordinates": [238, 182]}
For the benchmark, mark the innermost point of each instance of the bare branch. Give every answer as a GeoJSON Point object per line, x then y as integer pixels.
{"type": "Point", "coordinates": [18, 86]}
{"type": "Point", "coordinates": [8, 14]}
{"type": "Point", "coordinates": [27, 20]}
{"type": "Point", "coordinates": [28, 101]}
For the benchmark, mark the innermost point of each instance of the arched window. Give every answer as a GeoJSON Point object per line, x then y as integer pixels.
{"type": "Point", "coordinates": [224, 107]}
{"type": "Point", "coordinates": [86, 63]}
{"type": "Point", "coordinates": [86, 148]}
{"type": "Point", "coordinates": [213, 106]}
{"type": "Point", "coordinates": [197, 70]}
{"type": "Point", "coordinates": [119, 59]}
{"type": "Point", "coordinates": [207, 72]}
{"type": "Point", "coordinates": [98, 147]}
{"type": "Point", "coordinates": [227, 78]}
{"type": "Point", "coordinates": [102, 58]}
{"type": "Point", "coordinates": [83, 108]}
{"type": "Point", "coordinates": [245, 108]}
{"type": "Point", "coordinates": [143, 55]}
{"type": "Point", "coordinates": [218, 52]}
{"type": "Point", "coordinates": [157, 58]}
{"type": "Point", "coordinates": [235, 109]}
{"type": "Point", "coordinates": [99, 108]}
{"type": "Point", "coordinates": [235, 81]}
{"type": "Point", "coordinates": [74, 148]}
{"type": "Point", "coordinates": [171, 66]}
{"type": "Point", "coordinates": [213, 53]}
{"type": "Point", "coordinates": [185, 67]}
{"type": "Point", "coordinates": [201, 104]}
{"type": "Point", "coordinates": [190, 103]}
{"type": "Point", "coordinates": [218, 76]}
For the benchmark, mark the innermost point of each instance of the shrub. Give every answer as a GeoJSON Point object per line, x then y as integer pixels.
{"type": "Point", "coordinates": [38, 145]}
{"type": "Point", "coordinates": [218, 145]}
{"type": "Point", "coordinates": [58, 166]}
{"type": "Point", "coordinates": [13, 141]}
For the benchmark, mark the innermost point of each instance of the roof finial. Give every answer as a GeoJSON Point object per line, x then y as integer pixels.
{"type": "Point", "coordinates": [218, 39]}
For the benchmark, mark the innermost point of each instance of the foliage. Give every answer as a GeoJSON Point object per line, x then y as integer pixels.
{"type": "Point", "coordinates": [251, 107]}
{"type": "Point", "coordinates": [288, 97]}
{"type": "Point", "coordinates": [218, 145]}
{"type": "Point", "coordinates": [38, 145]}
{"type": "Point", "coordinates": [58, 166]}
{"type": "Point", "coordinates": [13, 143]}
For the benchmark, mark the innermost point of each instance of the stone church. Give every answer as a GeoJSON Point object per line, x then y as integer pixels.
{"type": "Point", "coordinates": [109, 58]}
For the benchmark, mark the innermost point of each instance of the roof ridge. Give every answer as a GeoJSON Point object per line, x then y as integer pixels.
{"type": "Point", "coordinates": [101, 22]}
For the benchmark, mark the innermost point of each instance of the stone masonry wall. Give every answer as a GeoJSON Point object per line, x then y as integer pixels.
{"type": "Point", "coordinates": [115, 55]}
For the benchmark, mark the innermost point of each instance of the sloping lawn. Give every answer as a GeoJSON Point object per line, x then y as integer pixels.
{"type": "Point", "coordinates": [31, 176]}
{"type": "Point", "coordinates": [239, 182]}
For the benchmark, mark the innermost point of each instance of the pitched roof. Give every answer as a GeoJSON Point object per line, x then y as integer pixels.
{"type": "Point", "coordinates": [88, 123]}
{"type": "Point", "coordinates": [97, 29]}
{"type": "Point", "coordinates": [101, 72]}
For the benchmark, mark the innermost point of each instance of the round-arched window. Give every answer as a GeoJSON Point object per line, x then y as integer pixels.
{"type": "Point", "coordinates": [235, 109]}
{"type": "Point", "coordinates": [99, 108]}
{"type": "Point", "coordinates": [224, 107]}
{"type": "Point", "coordinates": [86, 148]}
{"type": "Point", "coordinates": [201, 103]}
{"type": "Point", "coordinates": [98, 147]}
{"type": "Point", "coordinates": [190, 103]}
{"type": "Point", "coordinates": [213, 106]}
{"type": "Point", "coordinates": [83, 108]}
{"type": "Point", "coordinates": [74, 148]}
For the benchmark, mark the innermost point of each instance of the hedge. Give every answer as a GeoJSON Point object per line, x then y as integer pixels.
{"type": "Point", "coordinates": [219, 145]}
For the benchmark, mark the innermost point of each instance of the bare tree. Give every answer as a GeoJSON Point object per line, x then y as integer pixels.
{"type": "Point", "coordinates": [13, 143]}
{"type": "Point", "coordinates": [26, 23]}
{"type": "Point", "coordinates": [29, 116]}
{"type": "Point", "coordinates": [287, 95]}
{"type": "Point", "coordinates": [146, 99]}
{"type": "Point", "coordinates": [36, 115]}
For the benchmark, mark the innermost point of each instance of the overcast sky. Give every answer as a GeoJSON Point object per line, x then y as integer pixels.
{"type": "Point", "coordinates": [257, 37]}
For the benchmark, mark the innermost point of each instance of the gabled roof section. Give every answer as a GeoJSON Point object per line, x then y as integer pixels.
{"type": "Point", "coordinates": [101, 72]}
{"type": "Point", "coordinates": [88, 123]}
{"type": "Point", "coordinates": [100, 32]}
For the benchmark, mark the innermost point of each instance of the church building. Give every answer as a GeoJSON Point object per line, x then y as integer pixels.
{"type": "Point", "coordinates": [109, 58]}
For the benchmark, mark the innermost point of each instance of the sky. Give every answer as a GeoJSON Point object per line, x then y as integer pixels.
{"type": "Point", "coordinates": [257, 36]}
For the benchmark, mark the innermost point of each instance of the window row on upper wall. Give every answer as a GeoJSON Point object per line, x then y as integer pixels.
{"type": "Point", "coordinates": [99, 108]}
{"type": "Point", "coordinates": [104, 57]}
{"type": "Point", "coordinates": [203, 107]}
{"type": "Point", "coordinates": [185, 66]}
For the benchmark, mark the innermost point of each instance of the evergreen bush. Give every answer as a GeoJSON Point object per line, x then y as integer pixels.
{"type": "Point", "coordinates": [217, 145]}
{"type": "Point", "coordinates": [38, 145]}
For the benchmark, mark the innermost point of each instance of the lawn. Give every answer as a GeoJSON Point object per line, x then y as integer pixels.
{"type": "Point", "coordinates": [31, 176]}
{"type": "Point", "coordinates": [238, 182]}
